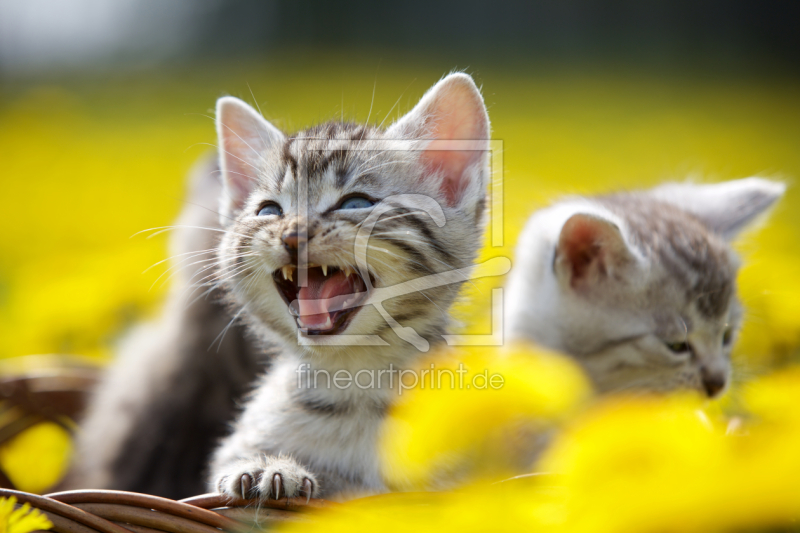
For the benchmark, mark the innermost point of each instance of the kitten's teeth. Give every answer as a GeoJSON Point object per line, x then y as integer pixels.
{"type": "Point", "coordinates": [287, 272]}
{"type": "Point", "coordinates": [328, 324]}
{"type": "Point", "coordinates": [325, 270]}
{"type": "Point", "coordinates": [347, 271]}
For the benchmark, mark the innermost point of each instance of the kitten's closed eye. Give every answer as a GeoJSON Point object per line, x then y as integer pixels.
{"type": "Point", "coordinates": [270, 209]}
{"type": "Point", "coordinates": [682, 347]}
{"type": "Point", "coordinates": [727, 336]}
{"type": "Point", "coordinates": [356, 202]}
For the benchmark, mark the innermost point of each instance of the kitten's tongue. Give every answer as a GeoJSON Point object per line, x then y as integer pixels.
{"type": "Point", "coordinates": [314, 306]}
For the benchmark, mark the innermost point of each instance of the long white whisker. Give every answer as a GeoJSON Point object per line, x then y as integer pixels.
{"type": "Point", "coordinates": [406, 237]}
{"type": "Point", "coordinates": [162, 229]}
{"type": "Point", "coordinates": [395, 104]}
{"type": "Point", "coordinates": [259, 111]}
{"type": "Point", "coordinates": [230, 154]}
{"type": "Point", "coordinates": [357, 170]}
{"type": "Point", "coordinates": [443, 263]}
{"type": "Point", "coordinates": [222, 333]}
{"type": "Point", "coordinates": [223, 274]}
{"type": "Point", "coordinates": [216, 262]}
{"type": "Point", "coordinates": [372, 101]}
{"type": "Point", "coordinates": [232, 131]}
{"type": "Point", "coordinates": [394, 217]}
{"type": "Point", "coordinates": [194, 253]}
{"type": "Point", "coordinates": [216, 278]}
{"type": "Point", "coordinates": [433, 303]}
{"type": "Point", "coordinates": [383, 165]}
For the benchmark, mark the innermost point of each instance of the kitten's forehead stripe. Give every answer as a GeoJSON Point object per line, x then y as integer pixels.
{"type": "Point", "coordinates": [287, 161]}
{"type": "Point", "coordinates": [320, 148]}
{"type": "Point", "coordinates": [691, 254]}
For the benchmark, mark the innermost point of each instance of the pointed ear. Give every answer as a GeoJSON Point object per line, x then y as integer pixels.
{"type": "Point", "coordinates": [453, 118]}
{"type": "Point", "coordinates": [244, 136]}
{"type": "Point", "coordinates": [727, 207]}
{"type": "Point", "coordinates": [590, 250]}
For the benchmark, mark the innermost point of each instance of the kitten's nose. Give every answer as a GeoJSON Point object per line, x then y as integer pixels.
{"type": "Point", "coordinates": [291, 240]}
{"type": "Point", "coordinates": [713, 382]}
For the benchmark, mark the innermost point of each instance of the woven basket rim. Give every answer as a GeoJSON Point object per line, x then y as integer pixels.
{"type": "Point", "coordinates": [114, 511]}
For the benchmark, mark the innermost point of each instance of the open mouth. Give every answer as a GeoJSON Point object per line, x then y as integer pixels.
{"type": "Point", "coordinates": [329, 299]}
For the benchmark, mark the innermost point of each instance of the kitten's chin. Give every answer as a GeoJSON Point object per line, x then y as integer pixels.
{"type": "Point", "coordinates": [328, 299]}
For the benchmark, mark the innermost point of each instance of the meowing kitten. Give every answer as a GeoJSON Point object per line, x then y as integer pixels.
{"type": "Point", "coordinates": [639, 287]}
{"type": "Point", "coordinates": [170, 395]}
{"type": "Point", "coordinates": [291, 254]}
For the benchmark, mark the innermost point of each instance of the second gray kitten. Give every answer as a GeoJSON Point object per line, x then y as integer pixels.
{"type": "Point", "coordinates": [639, 287]}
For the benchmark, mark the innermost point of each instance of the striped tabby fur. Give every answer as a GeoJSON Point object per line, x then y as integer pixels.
{"type": "Point", "coordinates": [284, 196]}
{"type": "Point", "coordinates": [640, 287]}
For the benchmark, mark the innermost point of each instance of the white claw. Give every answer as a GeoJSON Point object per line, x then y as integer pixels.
{"type": "Point", "coordinates": [325, 270]}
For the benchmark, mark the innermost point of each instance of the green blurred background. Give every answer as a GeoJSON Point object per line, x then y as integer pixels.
{"type": "Point", "coordinates": [104, 106]}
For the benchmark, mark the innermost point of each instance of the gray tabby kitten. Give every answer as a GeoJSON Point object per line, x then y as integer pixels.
{"type": "Point", "coordinates": [170, 395]}
{"type": "Point", "coordinates": [639, 287]}
{"type": "Point", "coordinates": [293, 207]}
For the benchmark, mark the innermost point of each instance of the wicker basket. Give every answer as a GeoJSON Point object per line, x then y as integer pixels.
{"type": "Point", "coordinates": [109, 511]}
{"type": "Point", "coordinates": [36, 389]}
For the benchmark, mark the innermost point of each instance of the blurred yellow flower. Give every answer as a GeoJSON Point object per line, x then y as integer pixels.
{"type": "Point", "coordinates": [486, 399]}
{"type": "Point", "coordinates": [36, 459]}
{"type": "Point", "coordinates": [626, 464]}
{"type": "Point", "coordinates": [21, 520]}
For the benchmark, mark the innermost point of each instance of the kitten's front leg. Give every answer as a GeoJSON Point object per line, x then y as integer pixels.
{"type": "Point", "coordinates": [267, 477]}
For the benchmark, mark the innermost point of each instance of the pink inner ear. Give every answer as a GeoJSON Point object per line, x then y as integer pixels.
{"type": "Point", "coordinates": [591, 247]}
{"type": "Point", "coordinates": [243, 136]}
{"type": "Point", "coordinates": [452, 164]}
{"type": "Point", "coordinates": [581, 245]}
{"type": "Point", "coordinates": [460, 134]}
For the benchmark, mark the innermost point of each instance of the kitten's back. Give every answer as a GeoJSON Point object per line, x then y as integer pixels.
{"type": "Point", "coordinates": [169, 396]}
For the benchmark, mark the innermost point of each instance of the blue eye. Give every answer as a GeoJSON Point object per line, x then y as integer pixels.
{"type": "Point", "coordinates": [270, 209]}
{"type": "Point", "coordinates": [356, 202]}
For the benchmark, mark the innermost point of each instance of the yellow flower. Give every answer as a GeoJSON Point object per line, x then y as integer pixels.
{"type": "Point", "coordinates": [626, 464]}
{"type": "Point", "coordinates": [656, 464]}
{"type": "Point", "coordinates": [36, 459]}
{"type": "Point", "coordinates": [21, 520]}
{"type": "Point", "coordinates": [488, 408]}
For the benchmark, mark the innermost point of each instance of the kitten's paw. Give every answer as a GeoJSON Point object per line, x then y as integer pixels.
{"type": "Point", "coordinates": [267, 478]}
